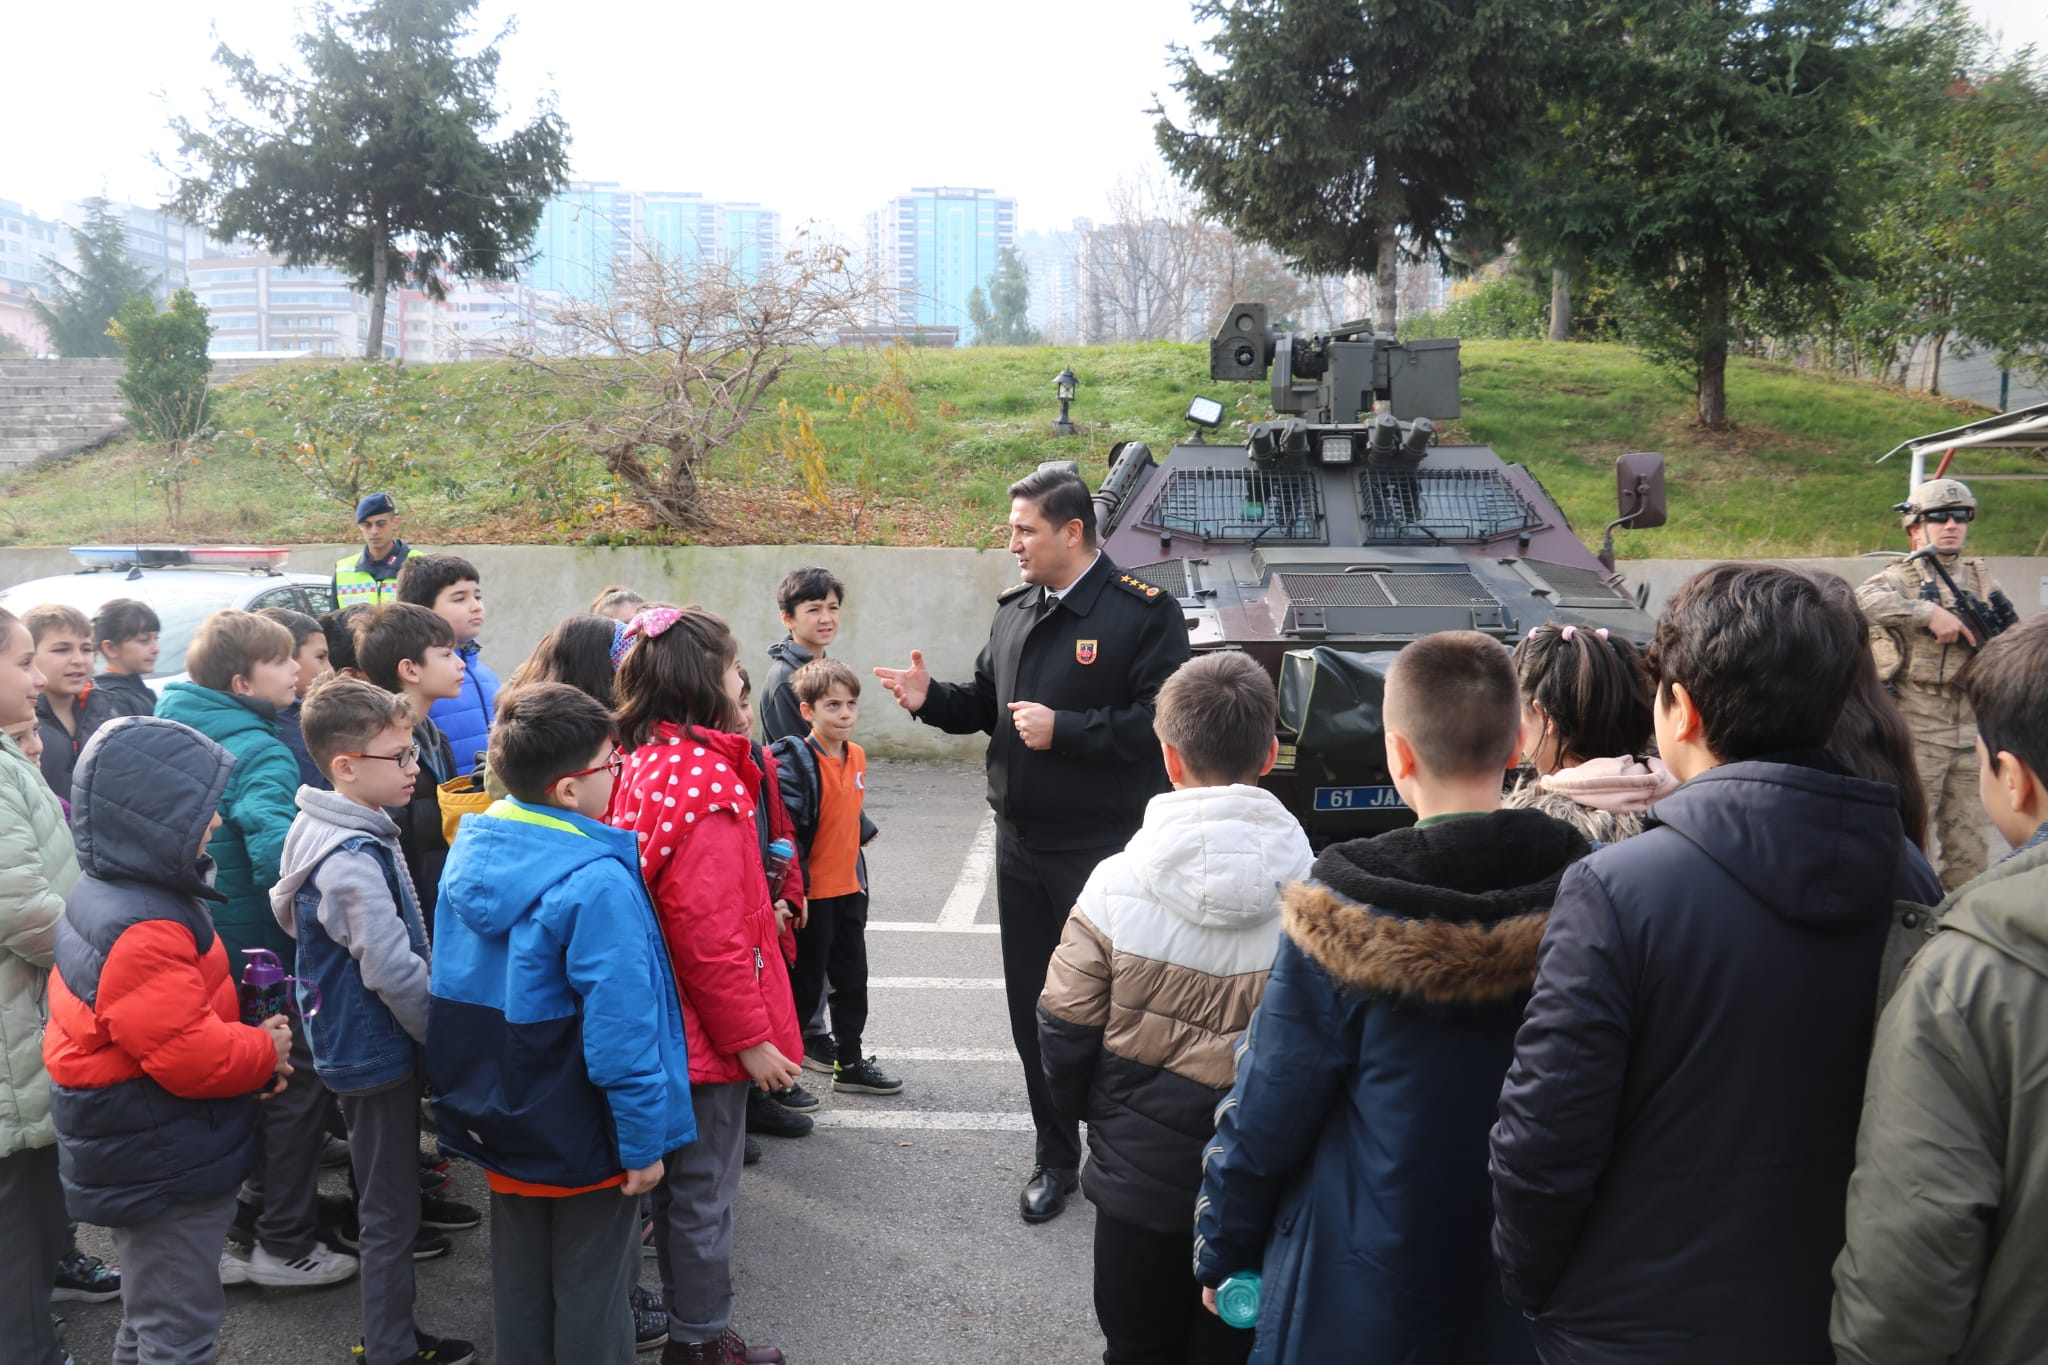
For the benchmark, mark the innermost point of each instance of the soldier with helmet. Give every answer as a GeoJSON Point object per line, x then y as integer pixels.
{"type": "Point", "coordinates": [1922, 636]}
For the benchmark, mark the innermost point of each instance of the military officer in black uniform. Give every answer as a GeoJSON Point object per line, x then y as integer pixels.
{"type": "Point", "coordinates": [1064, 690]}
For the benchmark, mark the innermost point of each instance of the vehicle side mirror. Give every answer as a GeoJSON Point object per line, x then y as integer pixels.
{"type": "Point", "coordinates": [1639, 490]}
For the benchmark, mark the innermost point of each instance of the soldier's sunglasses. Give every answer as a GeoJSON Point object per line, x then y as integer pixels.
{"type": "Point", "coordinates": [1941, 516]}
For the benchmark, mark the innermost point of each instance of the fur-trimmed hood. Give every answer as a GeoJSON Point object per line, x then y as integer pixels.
{"type": "Point", "coordinates": [1449, 915]}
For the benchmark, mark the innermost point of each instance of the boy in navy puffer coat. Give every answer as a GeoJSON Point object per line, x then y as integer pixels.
{"type": "Point", "coordinates": [1350, 1161]}
{"type": "Point", "coordinates": [1672, 1157]}
{"type": "Point", "coordinates": [556, 1040]}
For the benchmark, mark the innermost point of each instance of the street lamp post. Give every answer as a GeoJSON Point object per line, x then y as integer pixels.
{"type": "Point", "coordinates": [1063, 384]}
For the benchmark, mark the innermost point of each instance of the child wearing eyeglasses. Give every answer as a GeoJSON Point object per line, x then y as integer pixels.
{"type": "Point", "coordinates": [345, 895]}
{"type": "Point", "coordinates": [556, 1050]}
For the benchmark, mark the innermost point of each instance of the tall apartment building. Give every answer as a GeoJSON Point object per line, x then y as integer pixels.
{"type": "Point", "coordinates": [932, 247]}
{"type": "Point", "coordinates": [163, 244]}
{"type": "Point", "coordinates": [593, 228]}
{"type": "Point", "coordinates": [1052, 261]}
{"type": "Point", "coordinates": [476, 320]}
{"type": "Point", "coordinates": [25, 239]}
{"type": "Point", "coordinates": [258, 304]}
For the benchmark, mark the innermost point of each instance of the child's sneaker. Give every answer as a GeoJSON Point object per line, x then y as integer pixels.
{"type": "Point", "coordinates": [319, 1266]}
{"type": "Point", "coordinates": [650, 1320]}
{"type": "Point", "coordinates": [769, 1119]}
{"type": "Point", "coordinates": [432, 1350]}
{"type": "Point", "coordinates": [447, 1215]}
{"type": "Point", "coordinates": [819, 1054]}
{"type": "Point", "coordinates": [750, 1155]}
{"type": "Point", "coordinates": [85, 1279]}
{"type": "Point", "coordinates": [233, 1269]}
{"type": "Point", "coordinates": [864, 1077]}
{"type": "Point", "coordinates": [794, 1097]}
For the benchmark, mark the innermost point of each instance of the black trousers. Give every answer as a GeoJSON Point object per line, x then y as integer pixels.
{"type": "Point", "coordinates": [1035, 890]}
{"type": "Point", "coordinates": [1149, 1304]}
{"type": "Point", "coordinates": [833, 946]}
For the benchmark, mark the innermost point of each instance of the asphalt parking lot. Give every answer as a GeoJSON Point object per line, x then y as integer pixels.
{"type": "Point", "coordinates": [890, 1235]}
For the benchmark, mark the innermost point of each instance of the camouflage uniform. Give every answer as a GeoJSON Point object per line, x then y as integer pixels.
{"type": "Point", "coordinates": [1922, 673]}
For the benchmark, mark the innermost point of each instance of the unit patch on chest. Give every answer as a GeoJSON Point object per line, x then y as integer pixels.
{"type": "Point", "coordinates": [1084, 651]}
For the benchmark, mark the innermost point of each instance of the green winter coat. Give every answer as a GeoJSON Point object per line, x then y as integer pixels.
{"type": "Point", "coordinates": [1948, 1209]}
{"type": "Point", "coordinates": [256, 812]}
{"type": "Point", "coordinates": [37, 868]}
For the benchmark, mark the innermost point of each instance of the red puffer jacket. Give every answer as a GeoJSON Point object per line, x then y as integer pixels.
{"type": "Point", "coordinates": [689, 797]}
{"type": "Point", "coordinates": [162, 1010]}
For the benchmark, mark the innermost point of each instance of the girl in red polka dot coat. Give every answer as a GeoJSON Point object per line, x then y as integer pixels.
{"type": "Point", "coordinates": [688, 795]}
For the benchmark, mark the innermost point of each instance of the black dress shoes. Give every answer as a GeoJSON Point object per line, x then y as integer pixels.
{"type": "Point", "coordinates": [1045, 1193]}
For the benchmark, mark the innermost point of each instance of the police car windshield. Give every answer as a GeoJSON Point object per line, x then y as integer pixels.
{"type": "Point", "coordinates": [180, 600]}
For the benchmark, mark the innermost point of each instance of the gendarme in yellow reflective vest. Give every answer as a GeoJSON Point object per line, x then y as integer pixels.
{"type": "Point", "coordinates": [356, 586]}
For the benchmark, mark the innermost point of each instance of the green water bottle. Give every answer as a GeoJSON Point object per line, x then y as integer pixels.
{"type": "Point", "coordinates": [1237, 1299]}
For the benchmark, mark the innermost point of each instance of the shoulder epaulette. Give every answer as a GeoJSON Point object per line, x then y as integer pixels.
{"type": "Point", "coordinates": [1139, 588]}
{"type": "Point", "coordinates": [1007, 593]}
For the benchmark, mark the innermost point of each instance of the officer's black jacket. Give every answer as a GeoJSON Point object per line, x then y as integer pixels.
{"type": "Point", "coordinates": [1098, 661]}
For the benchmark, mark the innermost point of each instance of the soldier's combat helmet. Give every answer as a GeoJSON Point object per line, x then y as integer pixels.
{"type": "Point", "coordinates": [1935, 495]}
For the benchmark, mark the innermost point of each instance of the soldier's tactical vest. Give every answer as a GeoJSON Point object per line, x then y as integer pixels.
{"type": "Point", "coordinates": [1928, 662]}
{"type": "Point", "coordinates": [355, 588]}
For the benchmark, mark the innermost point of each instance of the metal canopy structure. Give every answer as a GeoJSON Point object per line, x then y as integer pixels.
{"type": "Point", "coordinates": [2020, 429]}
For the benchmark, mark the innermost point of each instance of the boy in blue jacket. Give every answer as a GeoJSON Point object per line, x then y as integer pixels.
{"type": "Point", "coordinates": [555, 1038]}
{"type": "Point", "coordinates": [447, 586]}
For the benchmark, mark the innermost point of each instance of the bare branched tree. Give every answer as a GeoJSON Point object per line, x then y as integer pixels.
{"type": "Point", "coordinates": [672, 367]}
{"type": "Point", "coordinates": [1159, 270]}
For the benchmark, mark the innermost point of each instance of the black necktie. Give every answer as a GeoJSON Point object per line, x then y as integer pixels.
{"type": "Point", "coordinates": [1046, 604]}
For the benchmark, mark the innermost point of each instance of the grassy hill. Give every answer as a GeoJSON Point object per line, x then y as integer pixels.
{"type": "Point", "coordinates": [916, 447]}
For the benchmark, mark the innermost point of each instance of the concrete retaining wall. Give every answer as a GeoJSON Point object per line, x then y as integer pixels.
{"type": "Point", "coordinates": [936, 600]}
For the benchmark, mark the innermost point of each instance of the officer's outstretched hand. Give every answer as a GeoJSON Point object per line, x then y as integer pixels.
{"type": "Point", "coordinates": [1946, 626]}
{"type": "Point", "coordinates": [908, 685]}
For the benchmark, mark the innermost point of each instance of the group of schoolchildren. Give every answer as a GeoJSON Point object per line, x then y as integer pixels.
{"type": "Point", "coordinates": [583, 972]}
{"type": "Point", "coordinates": [1667, 1049]}
{"type": "Point", "coordinates": [1662, 1051]}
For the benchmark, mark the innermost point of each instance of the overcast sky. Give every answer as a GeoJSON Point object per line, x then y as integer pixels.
{"type": "Point", "coordinates": [820, 110]}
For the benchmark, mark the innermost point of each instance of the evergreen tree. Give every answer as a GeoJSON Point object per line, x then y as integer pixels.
{"type": "Point", "coordinates": [1711, 155]}
{"type": "Point", "coordinates": [1004, 316]}
{"type": "Point", "coordinates": [85, 301]}
{"type": "Point", "coordinates": [374, 160]}
{"type": "Point", "coordinates": [1334, 129]}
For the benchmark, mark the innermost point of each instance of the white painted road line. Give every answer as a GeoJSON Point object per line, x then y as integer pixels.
{"type": "Point", "coordinates": [910, 926]}
{"type": "Point", "coordinates": [965, 900]}
{"type": "Point", "coordinates": [927, 1119]}
{"type": "Point", "coordinates": [945, 1054]}
{"type": "Point", "coordinates": [935, 983]}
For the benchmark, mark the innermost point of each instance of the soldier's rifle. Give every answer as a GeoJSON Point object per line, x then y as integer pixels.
{"type": "Point", "coordinates": [1984, 620]}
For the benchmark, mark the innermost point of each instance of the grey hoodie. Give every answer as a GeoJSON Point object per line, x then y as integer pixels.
{"type": "Point", "coordinates": [355, 902]}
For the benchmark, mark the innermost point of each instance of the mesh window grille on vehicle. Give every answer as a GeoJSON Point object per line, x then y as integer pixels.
{"type": "Point", "coordinates": [1282, 507]}
{"type": "Point", "coordinates": [1441, 506]}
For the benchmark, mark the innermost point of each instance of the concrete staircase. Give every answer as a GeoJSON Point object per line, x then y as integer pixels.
{"type": "Point", "coordinates": [53, 408]}
{"type": "Point", "coordinates": [50, 408]}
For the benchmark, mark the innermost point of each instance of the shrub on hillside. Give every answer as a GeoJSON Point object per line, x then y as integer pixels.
{"type": "Point", "coordinates": [1506, 309]}
{"type": "Point", "coordinates": [164, 379]}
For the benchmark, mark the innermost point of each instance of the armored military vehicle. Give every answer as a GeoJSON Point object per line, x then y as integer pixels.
{"type": "Point", "coordinates": [1344, 527]}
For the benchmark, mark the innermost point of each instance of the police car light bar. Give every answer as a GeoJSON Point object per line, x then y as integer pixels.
{"type": "Point", "coordinates": [269, 559]}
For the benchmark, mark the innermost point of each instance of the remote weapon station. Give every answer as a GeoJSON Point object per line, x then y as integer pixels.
{"type": "Point", "coordinates": [1341, 529]}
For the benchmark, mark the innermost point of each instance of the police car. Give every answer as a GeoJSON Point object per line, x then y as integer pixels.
{"type": "Point", "coordinates": [184, 584]}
